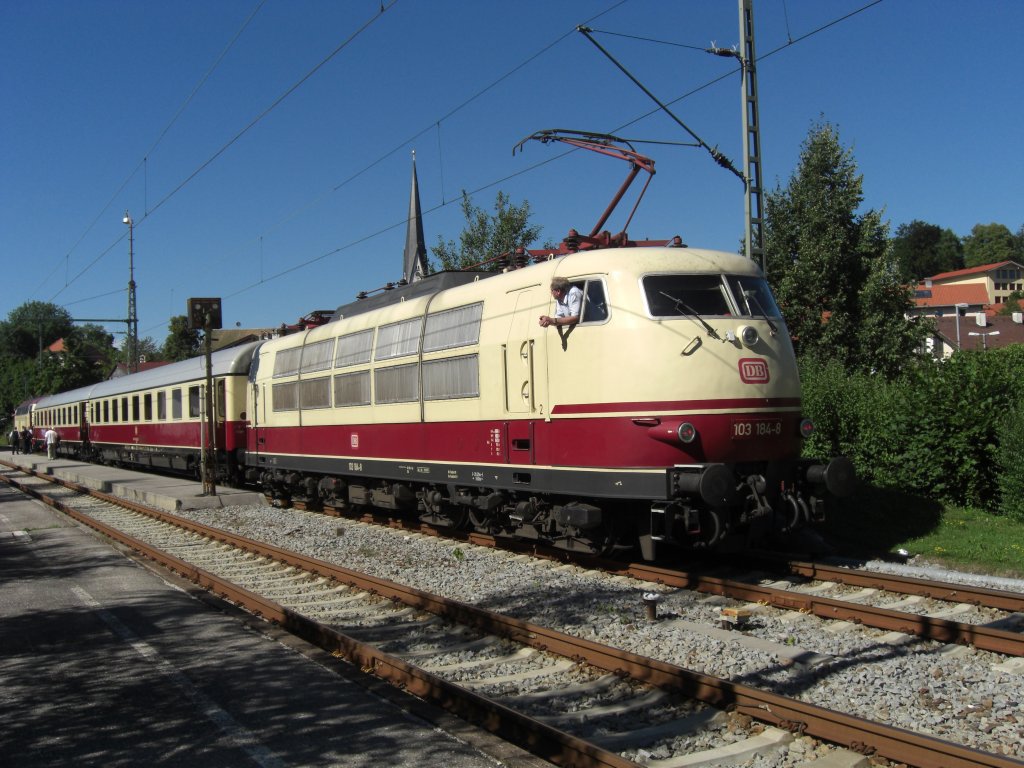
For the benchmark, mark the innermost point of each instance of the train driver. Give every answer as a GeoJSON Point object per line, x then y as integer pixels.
{"type": "Point", "coordinates": [568, 303]}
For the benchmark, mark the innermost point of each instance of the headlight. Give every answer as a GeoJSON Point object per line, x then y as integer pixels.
{"type": "Point", "coordinates": [748, 334]}
{"type": "Point", "coordinates": [687, 432]}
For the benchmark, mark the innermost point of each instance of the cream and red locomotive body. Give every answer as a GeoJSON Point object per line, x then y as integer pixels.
{"type": "Point", "coordinates": [670, 412]}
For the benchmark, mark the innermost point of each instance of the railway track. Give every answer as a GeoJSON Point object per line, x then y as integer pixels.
{"type": "Point", "coordinates": [987, 619]}
{"type": "Point", "coordinates": [568, 699]}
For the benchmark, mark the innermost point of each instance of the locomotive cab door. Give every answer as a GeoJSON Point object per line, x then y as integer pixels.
{"type": "Point", "coordinates": [520, 356]}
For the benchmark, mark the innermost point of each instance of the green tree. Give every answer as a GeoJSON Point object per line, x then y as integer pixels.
{"type": "Point", "coordinates": [923, 249]}
{"type": "Point", "coordinates": [831, 268]}
{"type": "Point", "coordinates": [1012, 304]}
{"type": "Point", "coordinates": [486, 235]}
{"type": "Point", "coordinates": [990, 244]}
{"type": "Point", "coordinates": [182, 341]}
{"type": "Point", "coordinates": [32, 327]}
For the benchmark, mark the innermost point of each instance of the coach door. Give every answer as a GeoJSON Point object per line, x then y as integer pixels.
{"type": "Point", "coordinates": [83, 423]}
{"type": "Point", "coordinates": [520, 358]}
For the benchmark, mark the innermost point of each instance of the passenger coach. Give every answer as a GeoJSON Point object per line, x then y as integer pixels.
{"type": "Point", "coordinates": [154, 418]}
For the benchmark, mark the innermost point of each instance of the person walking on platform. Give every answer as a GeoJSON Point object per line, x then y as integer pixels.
{"type": "Point", "coordinates": [50, 438]}
{"type": "Point", "coordinates": [14, 439]}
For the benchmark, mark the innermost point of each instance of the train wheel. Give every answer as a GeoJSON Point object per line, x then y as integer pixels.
{"type": "Point", "coordinates": [448, 517]}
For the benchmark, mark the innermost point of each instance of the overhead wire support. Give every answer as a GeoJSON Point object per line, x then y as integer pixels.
{"type": "Point", "coordinates": [715, 153]}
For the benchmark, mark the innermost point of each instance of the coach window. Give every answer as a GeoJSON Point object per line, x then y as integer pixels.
{"type": "Point", "coordinates": [135, 408]}
{"type": "Point", "coordinates": [113, 412]}
{"type": "Point", "coordinates": [161, 406]}
{"type": "Point", "coordinates": [193, 402]}
{"type": "Point", "coordinates": [175, 403]}
{"type": "Point", "coordinates": [147, 406]}
{"type": "Point", "coordinates": [124, 409]}
{"type": "Point", "coordinates": [106, 411]}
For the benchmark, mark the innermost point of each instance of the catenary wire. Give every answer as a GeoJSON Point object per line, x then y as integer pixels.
{"type": "Point", "coordinates": [142, 162]}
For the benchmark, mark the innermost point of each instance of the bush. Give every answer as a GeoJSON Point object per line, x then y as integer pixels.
{"type": "Point", "coordinates": [1011, 468]}
{"type": "Point", "coordinates": [936, 430]}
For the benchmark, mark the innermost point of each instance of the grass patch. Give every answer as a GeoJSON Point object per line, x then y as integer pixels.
{"type": "Point", "coordinates": [876, 521]}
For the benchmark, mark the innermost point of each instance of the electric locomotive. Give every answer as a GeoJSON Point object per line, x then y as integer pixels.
{"type": "Point", "coordinates": [669, 413]}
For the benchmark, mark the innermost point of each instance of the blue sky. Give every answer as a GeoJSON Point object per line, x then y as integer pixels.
{"type": "Point", "coordinates": [161, 109]}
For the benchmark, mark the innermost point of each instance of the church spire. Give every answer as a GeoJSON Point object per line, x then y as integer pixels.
{"type": "Point", "coordinates": [415, 261]}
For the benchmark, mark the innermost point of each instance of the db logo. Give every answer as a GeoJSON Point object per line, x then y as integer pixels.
{"type": "Point", "coordinates": [753, 370]}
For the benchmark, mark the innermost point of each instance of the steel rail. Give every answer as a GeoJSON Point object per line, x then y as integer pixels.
{"type": "Point", "coordinates": [927, 627]}
{"type": "Point", "coordinates": [856, 733]}
{"type": "Point", "coordinates": [541, 739]}
{"type": "Point", "coordinates": [909, 585]}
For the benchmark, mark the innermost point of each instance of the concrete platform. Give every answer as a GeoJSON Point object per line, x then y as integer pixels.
{"type": "Point", "coordinates": [169, 494]}
{"type": "Point", "coordinates": [105, 661]}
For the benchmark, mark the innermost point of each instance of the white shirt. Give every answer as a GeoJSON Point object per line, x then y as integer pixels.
{"type": "Point", "coordinates": [573, 302]}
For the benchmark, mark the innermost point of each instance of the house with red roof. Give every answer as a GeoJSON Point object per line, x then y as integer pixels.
{"type": "Point", "coordinates": [964, 303]}
{"type": "Point", "coordinates": [998, 280]}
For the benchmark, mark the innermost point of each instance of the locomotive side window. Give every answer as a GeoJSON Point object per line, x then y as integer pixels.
{"type": "Point", "coordinates": [317, 356]}
{"type": "Point", "coordinates": [316, 393]}
{"type": "Point", "coordinates": [286, 362]}
{"type": "Point", "coordinates": [451, 378]}
{"type": "Point", "coordinates": [397, 384]}
{"type": "Point", "coordinates": [398, 339]}
{"type": "Point", "coordinates": [595, 305]}
{"type": "Point", "coordinates": [175, 403]}
{"type": "Point", "coordinates": [193, 402]}
{"type": "Point", "coordinates": [286, 396]}
{"type": "Point", "coordinates": [352, 389]}
{"type": "Point", "coordinates": [682, 295]}
{"type": "Point", "coordinates": [453, 328]}
{"type": "Point", "coordinates": [355, 348]}
{"type": "Point", "coordinates": [753, 296]}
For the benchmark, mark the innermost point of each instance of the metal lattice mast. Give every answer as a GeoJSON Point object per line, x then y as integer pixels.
{"type": "Point", "coordinates": [754, 240]}
{"type": "Point", "coordinates": [133, 315]}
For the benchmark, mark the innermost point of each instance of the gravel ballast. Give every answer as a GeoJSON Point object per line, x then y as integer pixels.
{"type": "Point", "coordinates": [959, 694]}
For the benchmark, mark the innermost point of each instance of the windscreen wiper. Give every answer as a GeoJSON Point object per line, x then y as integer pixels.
{"type": "Point", "coordinates": [747, 295]}
{"type": "Point", "coordinates": [691, 311]}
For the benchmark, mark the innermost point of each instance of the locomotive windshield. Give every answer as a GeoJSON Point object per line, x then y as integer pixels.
{"type": "Point", "coordinates": [709, 295]}
{"type": "Point", "coordinates": [753, 296]}
{"type": "Point", "coordinates": [675, 295]}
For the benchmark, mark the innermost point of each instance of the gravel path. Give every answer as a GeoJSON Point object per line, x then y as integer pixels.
{"type": "Point", "coordinates": [959, 694]}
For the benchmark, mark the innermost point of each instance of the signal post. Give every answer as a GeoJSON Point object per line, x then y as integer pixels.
{"type": "Point", "coordinates": [206, 314]}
